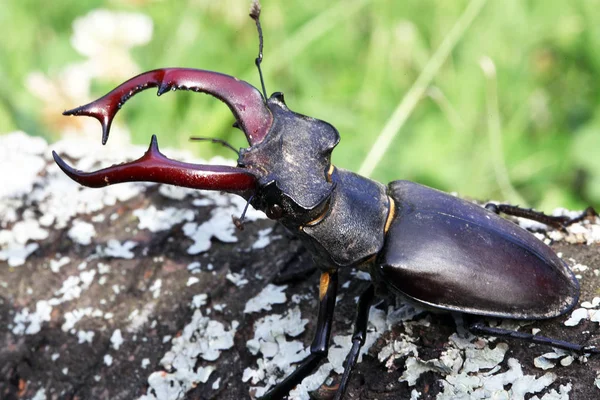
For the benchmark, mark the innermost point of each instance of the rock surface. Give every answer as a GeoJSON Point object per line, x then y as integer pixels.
{"type": "Point", "coordinates": [147, 291]}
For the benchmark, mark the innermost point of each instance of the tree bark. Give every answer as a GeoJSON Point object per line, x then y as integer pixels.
{"type": "Point", "coordinates": [111, 290]}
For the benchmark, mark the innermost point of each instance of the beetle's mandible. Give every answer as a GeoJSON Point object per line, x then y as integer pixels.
{"type": "Point", "coordinates": [430, 247]}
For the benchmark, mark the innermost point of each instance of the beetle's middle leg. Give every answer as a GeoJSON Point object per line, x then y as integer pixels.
{"type": "Point", "coordinates": [555, 222]}
{"type": "Point", "coordinates": [320, 344]}
{"type": "Point", "coordinates": [478, 328]}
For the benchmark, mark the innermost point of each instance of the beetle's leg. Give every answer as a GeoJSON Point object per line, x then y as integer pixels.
{"type": "Point", "coordinates": [555, 222]}
{"type": "Point", "coordinates": [320, 344]}
{"type": "Point", "coordinates": [479, 328]}
{"type": "Point", "coordinates": [358, 337]}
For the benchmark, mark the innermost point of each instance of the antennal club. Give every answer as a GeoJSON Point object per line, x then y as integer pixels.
{"type": "Point", "coordinates": [255, 15]}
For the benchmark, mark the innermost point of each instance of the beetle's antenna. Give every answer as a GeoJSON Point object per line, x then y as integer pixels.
{"type": "Point", "coordinates": [239, 222]}
{"type": "Point", "coordinates": [255, 15]}
{"type": "Point", "coordinates": [214, 140]}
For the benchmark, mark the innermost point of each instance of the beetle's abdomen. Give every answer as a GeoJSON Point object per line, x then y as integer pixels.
{"type": "Point", "coordinates": [353, 228]}
{"type": "Point", "coordinates": [452, 254]}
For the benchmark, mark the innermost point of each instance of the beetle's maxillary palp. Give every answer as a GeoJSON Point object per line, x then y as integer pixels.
{"type": "Point", "coordinates": [239, 222]}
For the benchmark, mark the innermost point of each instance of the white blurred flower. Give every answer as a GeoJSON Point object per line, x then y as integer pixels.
{"type": "Point", "coordinates": [227, 10]}
{"type": "Point", "coordinates": [88, 133]}
{"type": "Point", "coordinates": [106, 37]}
{"type": "Point", "coordinates": [405, 52]}
{"type": "Point", "coordinates": [69, 89]}
{"type": "Point", "coordinates": [73, 82]}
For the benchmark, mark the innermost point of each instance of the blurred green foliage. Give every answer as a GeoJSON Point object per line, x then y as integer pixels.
{"type": "Point", "coordinates": [350, 62]}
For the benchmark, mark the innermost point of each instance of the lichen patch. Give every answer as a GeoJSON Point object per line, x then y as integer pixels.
{"type": "Point", "coordinates": [156, 220]}
{"type": "Point", "coordinates": [30, 323]}
{"type": "Point", "coordinates": [277, 352]}
{"type": "Point", "coordinates": [201, 338]}
{"type": "Point", "coordinates": [271, 294]}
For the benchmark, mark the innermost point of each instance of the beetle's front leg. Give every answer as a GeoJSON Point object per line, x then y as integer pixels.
{"type": "Point", "coordinates": [320, 344]}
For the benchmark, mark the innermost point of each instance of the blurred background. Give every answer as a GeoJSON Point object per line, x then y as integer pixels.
{"type": "Point", "coordinates": [512, 113]}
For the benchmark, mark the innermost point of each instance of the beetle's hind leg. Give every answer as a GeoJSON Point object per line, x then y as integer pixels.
{"type": "Point", "coordinates": [555, 222]}
{"type": "Point", "coordinates": [358, 337]}
{"type": "Point", "coordinates": [478, 328]}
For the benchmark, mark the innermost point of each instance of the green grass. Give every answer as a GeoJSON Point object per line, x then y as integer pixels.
{"type": "Point", "coordinates": [530, 133]}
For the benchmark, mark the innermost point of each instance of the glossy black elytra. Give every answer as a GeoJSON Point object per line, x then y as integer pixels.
{"type": "Point", "coordinates": [425, 245]}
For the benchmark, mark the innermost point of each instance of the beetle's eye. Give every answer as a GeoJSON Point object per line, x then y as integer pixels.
{"type": "Point", "coordinates": [275, 211]}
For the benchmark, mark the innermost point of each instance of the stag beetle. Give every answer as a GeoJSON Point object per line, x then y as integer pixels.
{"type": "Point", "coordinates": [424, 245]}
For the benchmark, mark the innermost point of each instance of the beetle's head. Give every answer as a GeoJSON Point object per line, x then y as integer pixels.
{"type": "Point", "coordinates": [284, 171]}
{"type": "Point", "coordinates": [293, 164]}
